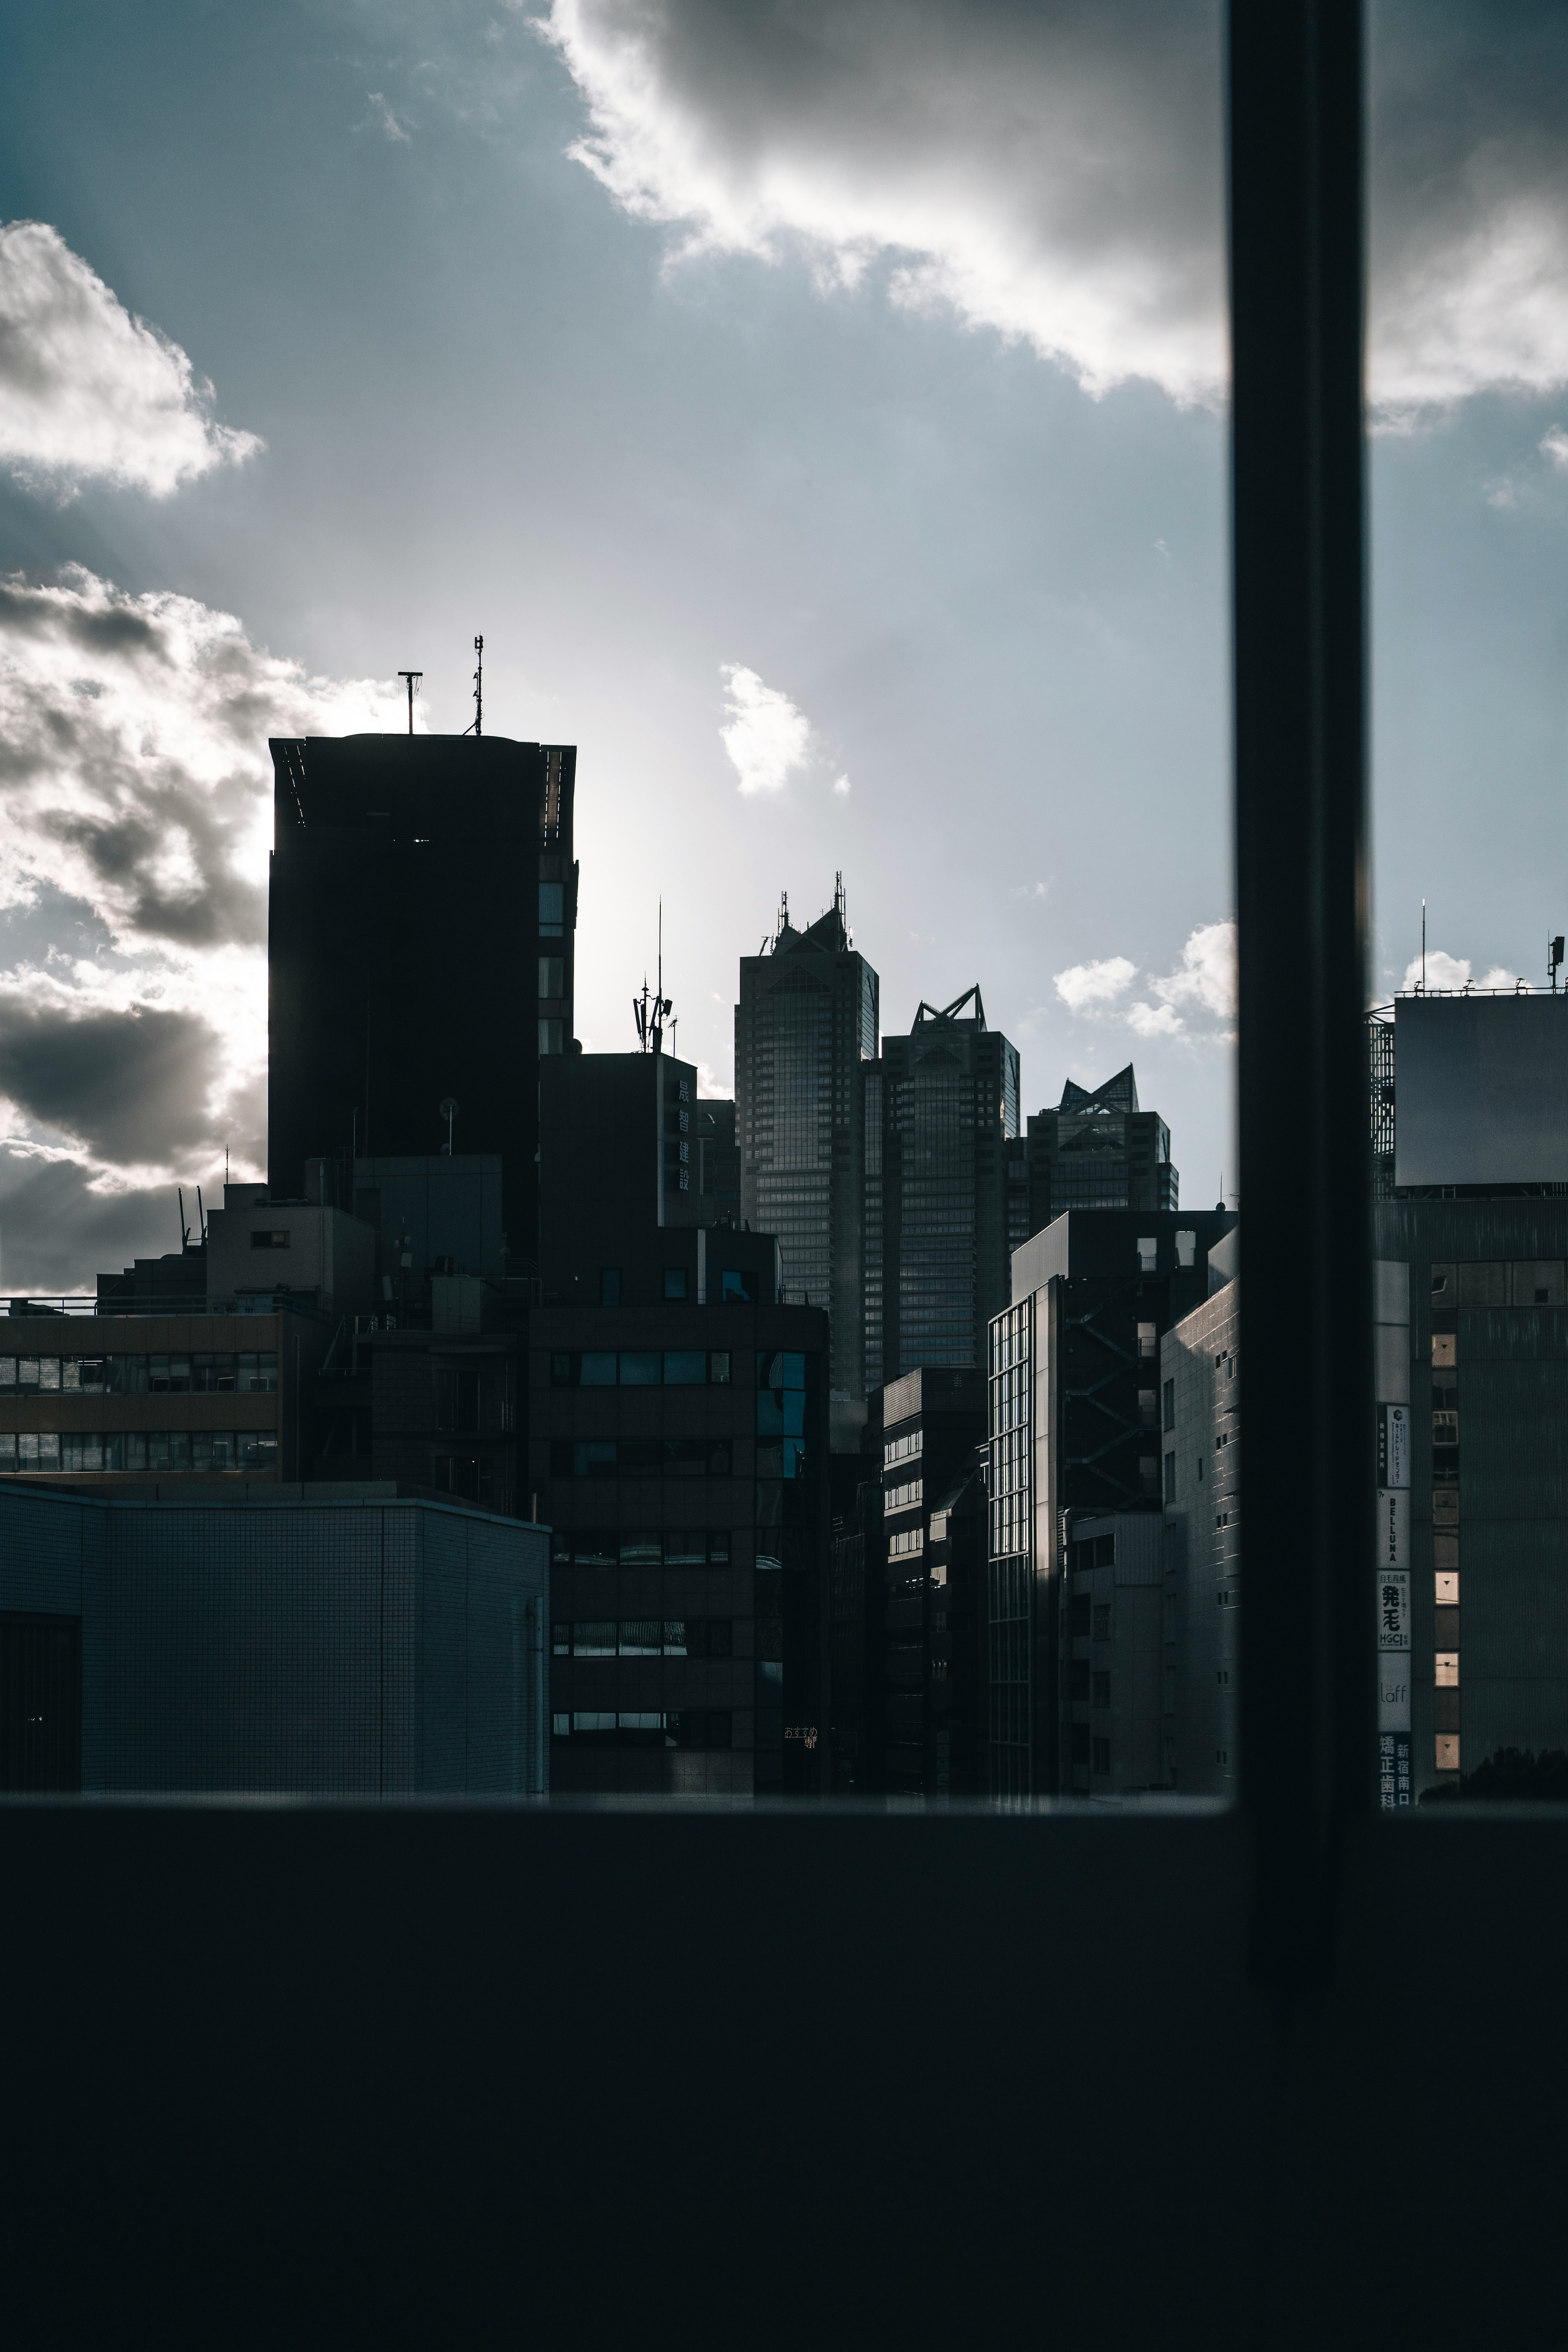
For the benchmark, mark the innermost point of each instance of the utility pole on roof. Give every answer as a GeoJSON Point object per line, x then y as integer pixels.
{"type": "Point", "coordinates": [413, 676]}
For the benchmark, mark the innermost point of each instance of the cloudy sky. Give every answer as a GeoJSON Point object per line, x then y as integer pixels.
{"type": "Point", "coordinates": [819, 407]}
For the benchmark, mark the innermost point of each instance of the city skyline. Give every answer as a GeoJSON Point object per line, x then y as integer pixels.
{"type": "Point", "coordinates": [827, 558]}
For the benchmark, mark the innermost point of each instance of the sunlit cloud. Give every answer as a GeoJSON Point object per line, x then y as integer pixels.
{"type": "Point", "coordinates": [89, 392]}
{"type": "Point", "coordinates": [767, 738]}
{"type": "Point", "coordinates": [1091, 988]}
{"type": "Point", "coordinates": [136, 791]}
{"type": "Point", "coordinates": [1055, 176]}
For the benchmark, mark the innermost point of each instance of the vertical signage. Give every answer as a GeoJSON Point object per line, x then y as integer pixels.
{"type": "Point", "coordinates": [1393, 1647]}
{"type": "Point", "coordinates": [1394, 1446]}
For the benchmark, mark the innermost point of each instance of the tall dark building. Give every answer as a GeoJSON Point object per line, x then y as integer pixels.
{"type": "Point", "coordinates": [1098, 1151]}
{"type": "Point", "coordinates": [946, 1100]}
{"type": "Point", "coordinates": [805, 1025]}
{"type": "Point", "coordinates": [422, 910]}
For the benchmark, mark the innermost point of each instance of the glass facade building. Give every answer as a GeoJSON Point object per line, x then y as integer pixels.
{"type": "Point", "coordinates": [937, 1265]}
{"type": "Point", "coordinates": [1098, 1151]}
{"type": "Point", "coordinates": [804, 1027]}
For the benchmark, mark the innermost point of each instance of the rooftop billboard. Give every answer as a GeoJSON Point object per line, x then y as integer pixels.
{"type": "Point", "coordinates": [1480, 1087]}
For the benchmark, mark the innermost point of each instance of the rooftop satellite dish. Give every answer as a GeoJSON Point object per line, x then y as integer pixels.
{"type": "Point", "coordinates": [448, 1110]}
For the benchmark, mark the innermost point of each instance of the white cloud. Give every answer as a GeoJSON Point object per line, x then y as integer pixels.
{"type": "Point", "coordinates": [1156, 1020]}
{"type": "Point", "coordinates": [767, 738]}
{"type": "Point", "coordinates": [89, 392]}
{"type": "Point", "coordinates": [1444, 970]}
{"type": "Point", "coordinates": [1441, 970]}
{"type": "Point", "coordinates": [391, 125]}
{"type": "Point", "coordinates": [135, 787]}
{"type": "Point", "coordinates": [1555, 445]}
{"type": "Point", "coordinates": [1055, 173]}
{"type": "Point", "coordinates": [1205, 979]}
{"type": "Point", "coordinates": [841, 786]}
{"type": "Point", "coordinates": [1088, 989]}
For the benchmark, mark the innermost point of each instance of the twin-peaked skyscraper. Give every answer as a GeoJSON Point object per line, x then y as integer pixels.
{"type": "Point", "coordinates": [892, 1172]}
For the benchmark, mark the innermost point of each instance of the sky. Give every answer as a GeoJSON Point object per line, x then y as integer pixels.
{"type": "Point", "coordinates": [819, 407]}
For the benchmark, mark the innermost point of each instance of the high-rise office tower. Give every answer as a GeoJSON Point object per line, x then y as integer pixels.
{"type": "Point", "coordinates": [422, 908]}
{"type": "Point", "coordinates": [805, 1027]}
{"type": "Point", "coordinates": [1098, 1151]}
{"type": "Point", "coordinates": [946, 1098]}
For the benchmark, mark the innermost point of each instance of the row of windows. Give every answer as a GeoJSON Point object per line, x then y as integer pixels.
{"type": "Point", "coordinates": [737, 1286]}
{"type": "Point", "coordinates": [639, 1457]}
{"type": "Point", "coordinates": [689, 1726]}
{"type": "Point", "coordinates": [208, 1373]}
{"type": "Point", "coordinates": [643, 1637]}
{"type": "Point", "coordinates": [640, 1547]}
{"type": "Point", "coordinates": [902, 1449]}
{"type": "Point", "coordinates": [903, 1499]}
{"type": "Point", "coordinates": [134, 1449]}
{"type": "Point", "coordinates": [912, 1539]}
{"type": "Point", "coordinates": [641, 1367]}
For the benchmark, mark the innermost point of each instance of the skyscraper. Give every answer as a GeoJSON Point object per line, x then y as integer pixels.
{"type": "Point", "coordinates": [937, 1271]}
{"type": "Point", "coordinates": [1098, 1151]}
{"type": "Point", "coordinates": [806, 1027]}
{"type": "Point", "coordinates": [422, 907]}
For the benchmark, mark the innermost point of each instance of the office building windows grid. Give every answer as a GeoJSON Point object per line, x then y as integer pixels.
{"type": "Point", "coordinates": [1010, 1371]}
{"type": "Point", "coordinates": [178, 1450]}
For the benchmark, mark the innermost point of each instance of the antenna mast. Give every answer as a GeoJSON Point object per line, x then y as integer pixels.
{"type": "Point", "coordinates": [1423, 947]}
{"type": "Point", "coordinates": [650, 1011]}
{"type": "Point", "coordinates": [479, 687]}
{"type": "Point", "coordinates": [413, 676]}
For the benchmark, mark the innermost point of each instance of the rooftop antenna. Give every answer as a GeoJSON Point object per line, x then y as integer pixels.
{"type": "Point", "coordinates": [184, 1229]}
{"type": "Point", "coordinates": [225, 1168]}
{"type": "Point", "coordinates": [650, 1012]}
{"type": "Point", "coordinates": [477, 727]}
{"type": "Point", "coordinates": [448, 1111]}
{"type": "Point", "coordinates": [1423, 947]}
{"type": "Point", "coordinates": [1554, 959]}
{"type": "Point", "coordinates": [201, 1217]}
{"type": "Point", "coordinates": [414, 677]}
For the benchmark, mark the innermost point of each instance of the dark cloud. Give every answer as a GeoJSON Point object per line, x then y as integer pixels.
{"type": "Point", "coordinates": [131, 1085]}
{"type": "Point", "coordinates": [56, 1235]}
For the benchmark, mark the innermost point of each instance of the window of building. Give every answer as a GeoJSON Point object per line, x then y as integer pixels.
{"type": "Point", "coordinates": [552, 910]}
{"type": "Point", "coordinates": [719, 1365]}
{"type": "Point", "coordinates": [1148, 1343]}
{"type": "Point", "coordinates": [1186, 1250]}
{"type": "Point", "coordinates": [270, 1237]}
{"type": "Point", "coordinates": [738, 1283]}
{"type": "Point", "coordinates": [1446, 1751]}
{"type": "Point", "coordinates": [641, 1367]}
{"type": "Point", "coordinates": [675, 1282]}
{"type": "Point", "coordinates": [1168, 1399]}
{"type": "Point", "coordinates": [1102, 1689]}
{"type": "Point", "coordinates": [1447, 1670]}
{"type": "Point", "coordinates": [551, 976]}
{"type": "Point", "coordinates": [1446, 1583]}
{"type": "Point", "coordinates": [1081, 1606]}
{"type": "Point", "coordinates": [1102, 1622]}
{"type": "Point", "coordinates": [609, 1285]}
{"type": "Point", "coordinates": [1146, 1409]}
{"type": "Point", "coordinates": [593, 1638]}
{"type": "Point", "coordinates": [1148, 1256]}
{"type": "Point", "coordinates": [552, 1037]}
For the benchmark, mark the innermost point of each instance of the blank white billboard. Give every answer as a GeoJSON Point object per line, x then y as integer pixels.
{"type": "Point", "coordinates": [1480, 1091]}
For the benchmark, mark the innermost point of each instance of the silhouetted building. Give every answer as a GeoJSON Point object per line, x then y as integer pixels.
{"type": "Point", "coordinates": [947, 1101]}
{"type": "Point", "coordinates": [620, 1151]}
{"type": "Point", "coordinates": [805, 1025]}
{"type": "Point", "coordinates": [1098, 1151]}
{"type": "Point", "coordinates": [422, 908]}
{"type": "Point", "coordinates": [1484, 1530]}
{"type": "Point", "coordinates": [1200, 1434]}
{"type": "Point", "coordinates": [933, 1608]}
{"type": "Point", "coordinates": [365, 1645]}
{"type": "Point", "coordinates": [679, 1435]}
{"type": "Point", "coordinates": [716, 1158]}
{"type": "Point", "coordinates": [1075, 1433]}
